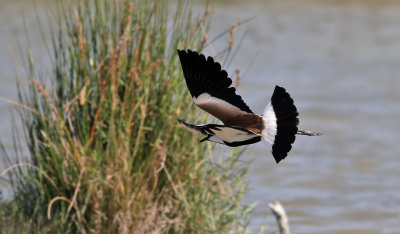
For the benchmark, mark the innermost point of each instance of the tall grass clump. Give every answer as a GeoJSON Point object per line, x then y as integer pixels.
{"type": "Point", "coordinates": [105, 152]}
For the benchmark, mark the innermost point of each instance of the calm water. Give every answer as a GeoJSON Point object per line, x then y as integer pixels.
{"type": "Point", "coordinates": [340, 61]}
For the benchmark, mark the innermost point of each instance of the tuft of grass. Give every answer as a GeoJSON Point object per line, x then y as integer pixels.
{"type": "Point", "coordinates": [105, 152]}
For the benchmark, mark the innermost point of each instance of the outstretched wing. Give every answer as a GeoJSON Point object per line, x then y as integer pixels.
{"type": "Point", "coordinates": [210, 88]}
{"type": "Point", "coordinates": [227, 135]}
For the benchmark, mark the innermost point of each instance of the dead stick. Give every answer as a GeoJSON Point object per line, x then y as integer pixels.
{"type": "Point", "coordinates": [281, 217]}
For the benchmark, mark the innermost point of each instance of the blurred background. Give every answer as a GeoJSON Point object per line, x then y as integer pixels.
{"type": "Point", "coordinates": [339, 60]}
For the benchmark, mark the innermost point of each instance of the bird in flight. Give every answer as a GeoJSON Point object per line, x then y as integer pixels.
{"type": "Point", "coordinates": [210, 88]}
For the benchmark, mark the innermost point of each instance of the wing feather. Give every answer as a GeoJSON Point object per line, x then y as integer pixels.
{"type": "Point", "coordinates": [210, 88]}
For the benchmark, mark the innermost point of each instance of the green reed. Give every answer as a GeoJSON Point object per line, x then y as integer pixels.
{"type": "Point", "coordinates": [106, 153]}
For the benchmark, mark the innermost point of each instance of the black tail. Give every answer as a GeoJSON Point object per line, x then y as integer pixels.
{"type": "Point", "coordinates": [286, 122]}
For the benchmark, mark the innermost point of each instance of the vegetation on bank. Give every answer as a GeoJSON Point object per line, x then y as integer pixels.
{"type": "Point", "coordinates": [106, 154]}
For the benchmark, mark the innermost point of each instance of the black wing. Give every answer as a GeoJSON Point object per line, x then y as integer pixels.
{"type": "Point", "coordinates": [204, 76]}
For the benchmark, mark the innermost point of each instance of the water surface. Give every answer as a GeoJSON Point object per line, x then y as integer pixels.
{"type": "Point", "coordinates": [340, 61]}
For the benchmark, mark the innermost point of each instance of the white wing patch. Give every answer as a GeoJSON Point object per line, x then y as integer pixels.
{"type": "Point", "coordinates": [216, 140]}
{"type": "Point", "coordinates": [230, 135]}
